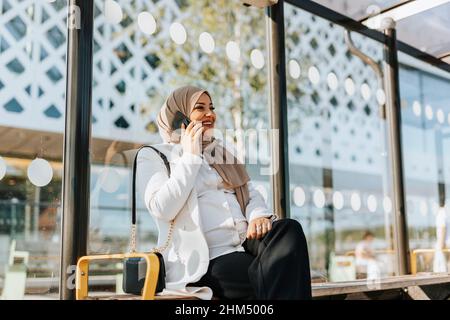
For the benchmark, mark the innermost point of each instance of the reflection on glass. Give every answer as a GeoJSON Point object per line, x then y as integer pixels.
{"type": "Point", "coordinates": [426, 154]}
{"type": "Point", "coordinates": [32, 105]}
{"type": "Point", "coordinates": [337, 148]}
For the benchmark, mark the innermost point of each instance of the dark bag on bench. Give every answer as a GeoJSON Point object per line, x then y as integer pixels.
{"type": "Point", "coordinates": [134, 268]}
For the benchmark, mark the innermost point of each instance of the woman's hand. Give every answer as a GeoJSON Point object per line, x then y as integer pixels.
{"type": "Point", "coordinates": [191, 137]}
{"type": "Point", "coordinates": [257, 228]}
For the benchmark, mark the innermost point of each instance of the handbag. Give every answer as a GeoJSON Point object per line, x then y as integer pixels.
{"type": "Point", "coordinates": [134, 269]}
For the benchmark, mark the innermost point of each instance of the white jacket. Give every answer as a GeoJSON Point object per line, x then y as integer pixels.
{"type": "Point", "coordinates": [187, 256]}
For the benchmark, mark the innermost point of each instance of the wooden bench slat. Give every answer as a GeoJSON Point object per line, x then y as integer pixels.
{"type": "Point", "coordinates": [397, 282]}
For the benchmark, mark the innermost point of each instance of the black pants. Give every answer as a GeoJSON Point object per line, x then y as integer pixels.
{"type": "Point", "coordinates": [273, 267]}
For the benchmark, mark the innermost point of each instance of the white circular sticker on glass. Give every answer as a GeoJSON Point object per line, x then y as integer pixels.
{"type": "Point", "coordinates": [349, 86]}
{"type": "Point", "coordinates": [366, 92]}
{"type": "Point", "coordinates": [387, 204]}
{"type": "Point", "coordinates": [113, 12]}
{"type": "Point", "coordinates": [178, 33]}
{"type": "Point", "coordinates": [372, 203]}
{"type": "Point", "coordinates": [355, 201]}
{"type": "Point", "coordinates": [319, 198]}
{"type": "Point", "coordinates": [429, 112]}
{"type": "Point", "coordinates": [206, 42]}
{"type": "Point", "coordinates": [299, 196]}
{"type": "Point", "coordinates": [294, 69]}
{"type": "Point", "coordinates": [146, 23]}
{"type": "Point", "coordinates": [257, 58]}
{"type": "Point", "coordinates": [332, 81]}
{"type": "Point", "coordinates": [40, 172]}
{"type": "Point", "coordinates": [417, 108]}
{"type": "Point", "coordinates": [440, 116]}
{"type": "Point", "coordinates": [381, 96]}
{"type": "Point", "coordinates": [2, 168]}
{"type": "Point", "coordinates": [313, 75]}
{"type": "Point", "coordinates": [338, 200]}
{"type": "Point", "coordinates": [109, 180]}
{"type": "Point", "coordinates": [233, 51]}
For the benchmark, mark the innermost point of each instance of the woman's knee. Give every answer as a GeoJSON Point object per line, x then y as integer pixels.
{"type": "Point", "coordinates": [291, 225]}
{"type": "Point", "coordinates": [292, 231]}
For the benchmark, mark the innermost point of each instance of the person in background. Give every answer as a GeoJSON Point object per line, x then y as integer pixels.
{"type": "Point", "coordinates": [365, 260]}
{"type": "Point", "coordinates": [442, 240]}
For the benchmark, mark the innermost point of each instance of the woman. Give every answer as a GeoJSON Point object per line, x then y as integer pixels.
{"type": "Point", "coordinates": [225, 242]}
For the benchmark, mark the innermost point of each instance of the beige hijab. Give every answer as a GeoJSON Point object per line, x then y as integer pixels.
{"type": "Point", "coordinates": [226, 164]}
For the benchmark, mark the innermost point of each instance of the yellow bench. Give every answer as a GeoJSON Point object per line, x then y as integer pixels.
{"type": "Point", "coordinates": [417, 252]}
{"type": "Point", "coordinates": [151, 276]}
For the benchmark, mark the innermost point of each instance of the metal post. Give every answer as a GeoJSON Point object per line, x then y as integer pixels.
{"type": "Point", "coordinates": [75, 197]}
{"type": "Point", "coordinates": [278, 109]}
{"type": "Point", "coordinates": [393, 119]}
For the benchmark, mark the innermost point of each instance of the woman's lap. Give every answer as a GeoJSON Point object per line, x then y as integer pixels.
{"type": "Point", "coordinates": [244, 275]}
{"type": "Point", "coordinates": [228, 277]}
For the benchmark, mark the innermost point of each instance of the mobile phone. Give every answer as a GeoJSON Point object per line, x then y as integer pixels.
{"type": "Point", "coordinates": [179, 119]}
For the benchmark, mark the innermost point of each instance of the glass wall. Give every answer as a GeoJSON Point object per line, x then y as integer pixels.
{"type": "Point", "coordinates": [337, 151]}
{"type": "Point", "coordinates": [143, 50]}
{"type": "Point", "coordinates": [425, 96]}
{"type": "Point", "coordinates": [32, 102]}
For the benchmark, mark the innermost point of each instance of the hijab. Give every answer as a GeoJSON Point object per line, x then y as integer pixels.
{"type": "Point", "coordinates": [232, 172]}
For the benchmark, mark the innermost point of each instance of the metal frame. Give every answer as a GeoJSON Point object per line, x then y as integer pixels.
{"type": "Point", "coordinates": [77, 135]}
{"type": "Point", "coordinates": [353, 25]}
{"type": "Point", "coordinates": [278, 109]}
{"type": "Point", "coordinates": [393, 119]}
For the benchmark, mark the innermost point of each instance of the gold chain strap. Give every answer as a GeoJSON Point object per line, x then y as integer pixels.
{"type": "Point", "coordinates": [160, 249]}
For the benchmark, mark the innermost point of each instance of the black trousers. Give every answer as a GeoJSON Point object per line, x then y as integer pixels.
{"type": "Point", "coordinates": [273, 267]}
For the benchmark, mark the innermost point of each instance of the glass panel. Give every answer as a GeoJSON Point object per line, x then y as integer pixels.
{"type": "Point", "coordinates": [144, 51]}
{"type": "Point", "coordinates": [358, 9]}
{"type": "Point", "coordinates": [428, 31]}
{"type": "Point", "coordinates": [32, 104]}
{"type": "Point", "coordinates": [338, 159]}
{"type": "Point", "coordinates": [425, 96]}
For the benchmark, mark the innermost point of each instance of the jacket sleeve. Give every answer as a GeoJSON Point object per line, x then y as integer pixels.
{"type": "Point", "coordinates": [164, 197]}
{"type": "Point", "coordinates": [256, 207]}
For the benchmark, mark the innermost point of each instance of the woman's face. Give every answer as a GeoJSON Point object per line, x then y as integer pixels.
{"type": "Point", "coordinates": [204, 111]}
